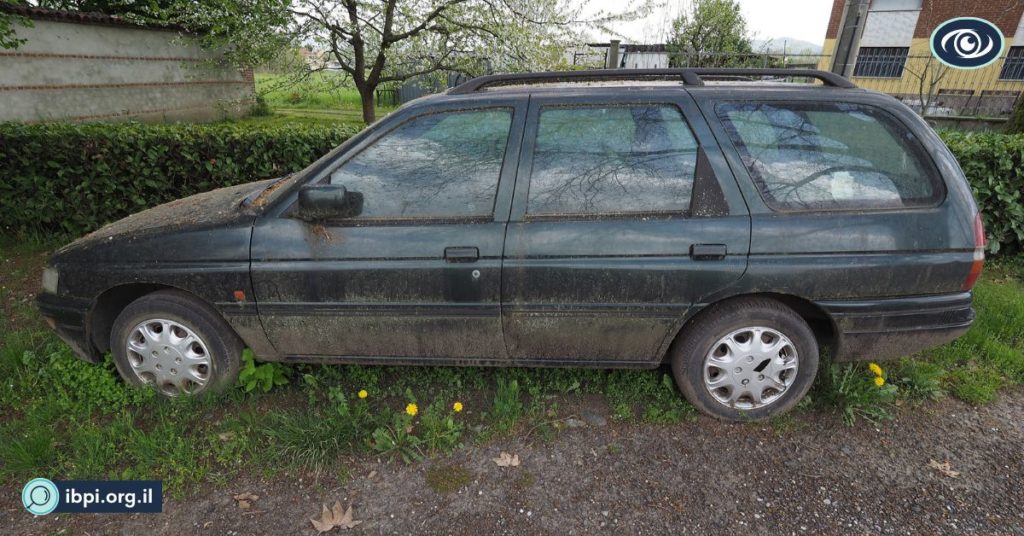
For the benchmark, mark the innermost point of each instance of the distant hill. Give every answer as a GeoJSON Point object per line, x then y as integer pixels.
{"type": "Point", "coordinates": [793, 46]}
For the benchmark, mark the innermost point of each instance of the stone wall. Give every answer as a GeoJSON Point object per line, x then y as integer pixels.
{"type": "Point", "coordinates": [93, 68]}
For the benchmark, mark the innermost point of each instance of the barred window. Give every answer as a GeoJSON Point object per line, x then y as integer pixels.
{"type": "Point", "coordinates": [1013, 66]}
{"type": "Point", "coordinates": [881, 62]}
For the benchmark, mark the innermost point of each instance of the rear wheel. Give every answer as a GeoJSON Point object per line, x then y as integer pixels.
{"type": "Point", "coordinates": [176, 344]}
{"type": "Point", "coordinates": [746, 359]}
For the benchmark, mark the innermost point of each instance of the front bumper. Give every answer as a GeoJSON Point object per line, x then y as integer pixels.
{"type": "Point", "coordinates": [68, 317]}
{"type": "Point", "coordinates": [893, 327]}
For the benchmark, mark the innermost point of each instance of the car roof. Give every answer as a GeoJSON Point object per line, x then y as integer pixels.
{"type": "Point", "coordinates": [728, 83]}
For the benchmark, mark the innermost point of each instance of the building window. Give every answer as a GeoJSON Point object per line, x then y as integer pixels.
{"type": "Point", "coordinates": [1013, 66]}
{"type": "Point", "coordinates": [881, 62]}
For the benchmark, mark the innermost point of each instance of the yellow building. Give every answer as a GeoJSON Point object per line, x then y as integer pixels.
{"type": "Point", "coordinates": [884, 45]}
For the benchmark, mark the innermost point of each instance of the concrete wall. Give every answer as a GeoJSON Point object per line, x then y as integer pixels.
{"type": "Point", "coordinates": [98, 72]}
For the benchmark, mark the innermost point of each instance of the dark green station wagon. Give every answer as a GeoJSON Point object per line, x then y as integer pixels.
{"type": "Point", "coordinates": [730, 222]}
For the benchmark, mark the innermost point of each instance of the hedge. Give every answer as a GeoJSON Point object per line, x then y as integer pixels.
{"type": "Point", "coordinates": [70, 179]}
{"type": "Point", "coordinates": [994, 165]}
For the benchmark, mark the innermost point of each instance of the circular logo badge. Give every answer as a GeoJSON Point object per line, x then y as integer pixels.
{"type": "Point", "coordinates": [967, 43]}
{"type": "Point", "coordinates": [40, 496]}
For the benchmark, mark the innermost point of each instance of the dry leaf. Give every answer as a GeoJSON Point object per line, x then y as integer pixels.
{"type": "Point", "coordinates": [334, 517]}
{"type": "Point", "coordinates": [944, 467]}
{"type": "Point", "coordinates": [245, 499]}
{"type": "Point", "coordinates": [226, 436]}
{"type": "Point", "coordinates": [507, 460]}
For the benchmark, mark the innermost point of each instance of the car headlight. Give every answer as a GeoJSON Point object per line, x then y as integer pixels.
{"type": "Point", "coordinates": [50, 278]}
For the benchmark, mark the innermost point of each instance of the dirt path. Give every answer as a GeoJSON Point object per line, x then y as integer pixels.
{"type": "Point", "coordinates": [809, 474]}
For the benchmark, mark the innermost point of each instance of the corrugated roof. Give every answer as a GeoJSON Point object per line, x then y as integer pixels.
{"type": "Point", "coordinates": [38, 13]}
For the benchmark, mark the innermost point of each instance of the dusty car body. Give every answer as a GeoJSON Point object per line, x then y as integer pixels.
{"type": "Point", "coordinates": [871, 244]}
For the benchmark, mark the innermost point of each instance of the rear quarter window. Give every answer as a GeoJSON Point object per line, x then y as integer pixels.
{"type": "Point", "coordinates": [830, 156]}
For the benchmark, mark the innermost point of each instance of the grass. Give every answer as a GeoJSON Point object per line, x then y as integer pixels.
{"type": "Point", "coordinates": [63, 418]}
{"type": "Point", "coordinates": [322, 97]}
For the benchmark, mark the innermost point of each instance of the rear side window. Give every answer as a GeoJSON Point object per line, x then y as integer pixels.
{"type": "Point", "coordinates": [612, 159]}
{"type": "Point", "coordinates": [830, 156]}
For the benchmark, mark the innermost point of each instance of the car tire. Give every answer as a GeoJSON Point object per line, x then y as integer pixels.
{"type": "Point", "coordinates": [744, 349]}
{"type": "Point", "coordinates": [175, 343]}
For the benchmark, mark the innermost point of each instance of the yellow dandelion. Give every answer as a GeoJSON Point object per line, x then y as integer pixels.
{"type": "Point", "coordinates": [363, 393]}
{"type": "Point", "coordinates": [457, 407]}
{"type": "Point", "coordinates": [412, 409]}
{"type": "Point", "coordinates": [873, 367]}
{"type": "Point", "coordinates": [879, 381]}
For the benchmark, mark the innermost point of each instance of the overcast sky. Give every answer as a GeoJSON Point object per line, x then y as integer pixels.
{"type": "Point", "coordinates": [800, 19]}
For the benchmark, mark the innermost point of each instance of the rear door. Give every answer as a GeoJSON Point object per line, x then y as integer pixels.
{"type": "Point", "coordinates": [625, 216]}
{"type": "Point", "coordinates": [417, 273]}
{"type": "Point", "coordinates": [845, 193]}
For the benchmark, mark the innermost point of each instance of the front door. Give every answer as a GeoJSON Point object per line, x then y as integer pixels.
{"type": "Point", "coordinates": [417, 273]}
{"type": "Point", "coordinates": [625, 218]}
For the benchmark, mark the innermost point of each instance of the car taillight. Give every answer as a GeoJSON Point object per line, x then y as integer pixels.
{"type": "Point", "coordinates": [979, 254]}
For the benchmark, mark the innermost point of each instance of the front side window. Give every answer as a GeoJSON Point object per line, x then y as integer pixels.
{"type": "Point", "coordinates": [830, 156]}
{"type": "Point", "coordinates": [612, 159]}
{"type": "Point", "coordinates": [438, 165]}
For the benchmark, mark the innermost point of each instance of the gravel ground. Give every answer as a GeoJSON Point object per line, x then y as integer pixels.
{"type": "Point", "coordinates": [808, 474]}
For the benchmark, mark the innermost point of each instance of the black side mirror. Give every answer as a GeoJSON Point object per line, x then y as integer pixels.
{"type": "Point", "coordinates": [318, 202]}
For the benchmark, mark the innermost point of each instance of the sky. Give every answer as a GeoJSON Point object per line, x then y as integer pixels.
{"type": "Point", "coordinates": [766, 19]}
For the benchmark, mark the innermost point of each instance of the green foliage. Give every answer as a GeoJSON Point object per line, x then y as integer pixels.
{"type": "Point", "coordinates": [8, 21]}
{"type": "Point", "coordinates": [709, 34]}
{"type": "Point", "coordinates": [851, 388]}
{"type": "Point", "coordinates": [261, 108]}
{"type": "Point", "coordinates": [265, 376]}
{"type": "Point", "coordinates": [994, 165]}
{"type": "Point", "coordinates": [507, 405]}
{"type": "Point", "coordinates": [71, 178]}
{"type": "Point", "coordinates": [653, 395]}
{"type": "Point", "coordinates": [1016, 123]}
{"type": "Point", "coordinates": [397, 439]}
{"type": "Point", "coordinates": [918, 379]}
{"type": "Point", "coordinates": [440, 430]}
{"type": "Point", "coordinates": [975, 385]}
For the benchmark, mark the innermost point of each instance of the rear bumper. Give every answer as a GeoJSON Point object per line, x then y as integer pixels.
{"type": "Point", "coordinates": [67, 316]}
{"type": "Point", "coordinates": [893, 327]}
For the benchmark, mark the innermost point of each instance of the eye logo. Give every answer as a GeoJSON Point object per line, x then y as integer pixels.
{"type": "Point", "coordinates": [967, 43]}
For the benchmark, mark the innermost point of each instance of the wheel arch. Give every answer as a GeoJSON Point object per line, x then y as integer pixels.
{"type": "Point", "coordinates": [826, 333]}
{"type": "Point", "coordinates": [111, 302]}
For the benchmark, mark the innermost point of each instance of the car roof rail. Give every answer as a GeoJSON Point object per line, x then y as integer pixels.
{"type": "Point", "coordinates": [689, 76]}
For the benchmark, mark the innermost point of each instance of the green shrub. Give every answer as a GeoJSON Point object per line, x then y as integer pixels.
{"type": "Point", "coordinates": [994, 165]}
{"type": "Point", "coordinates": [70, 178]}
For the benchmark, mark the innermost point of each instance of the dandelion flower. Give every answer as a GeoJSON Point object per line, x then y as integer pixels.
{"type": "Point", "coordinates": [873, 367]}
{"type": "Point", "coordinates": [412, 409]}
{"type": "Point", "coordinates": [457, 406]}
{"type": "Point", "coordinates": [879, 381]}
{"type": "Point", "coordinates": [363, 393]}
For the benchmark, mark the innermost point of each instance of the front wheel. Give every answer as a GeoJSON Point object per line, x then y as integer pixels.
{"type": "Point", "coordinates": [746, 359]}
{"type": "Point", "coordinates": [178, 345]}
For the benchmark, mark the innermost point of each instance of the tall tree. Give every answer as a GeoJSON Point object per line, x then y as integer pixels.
{"type": "Point", "coordinates": [709, 33]}
{"type": "Point", "coordinates": [376, 42]}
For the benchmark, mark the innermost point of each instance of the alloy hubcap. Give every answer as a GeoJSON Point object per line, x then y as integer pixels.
{"type": "Point", "coordinates": [169, 356]}
{"type": "Point", "coordinates": [750, 368]}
